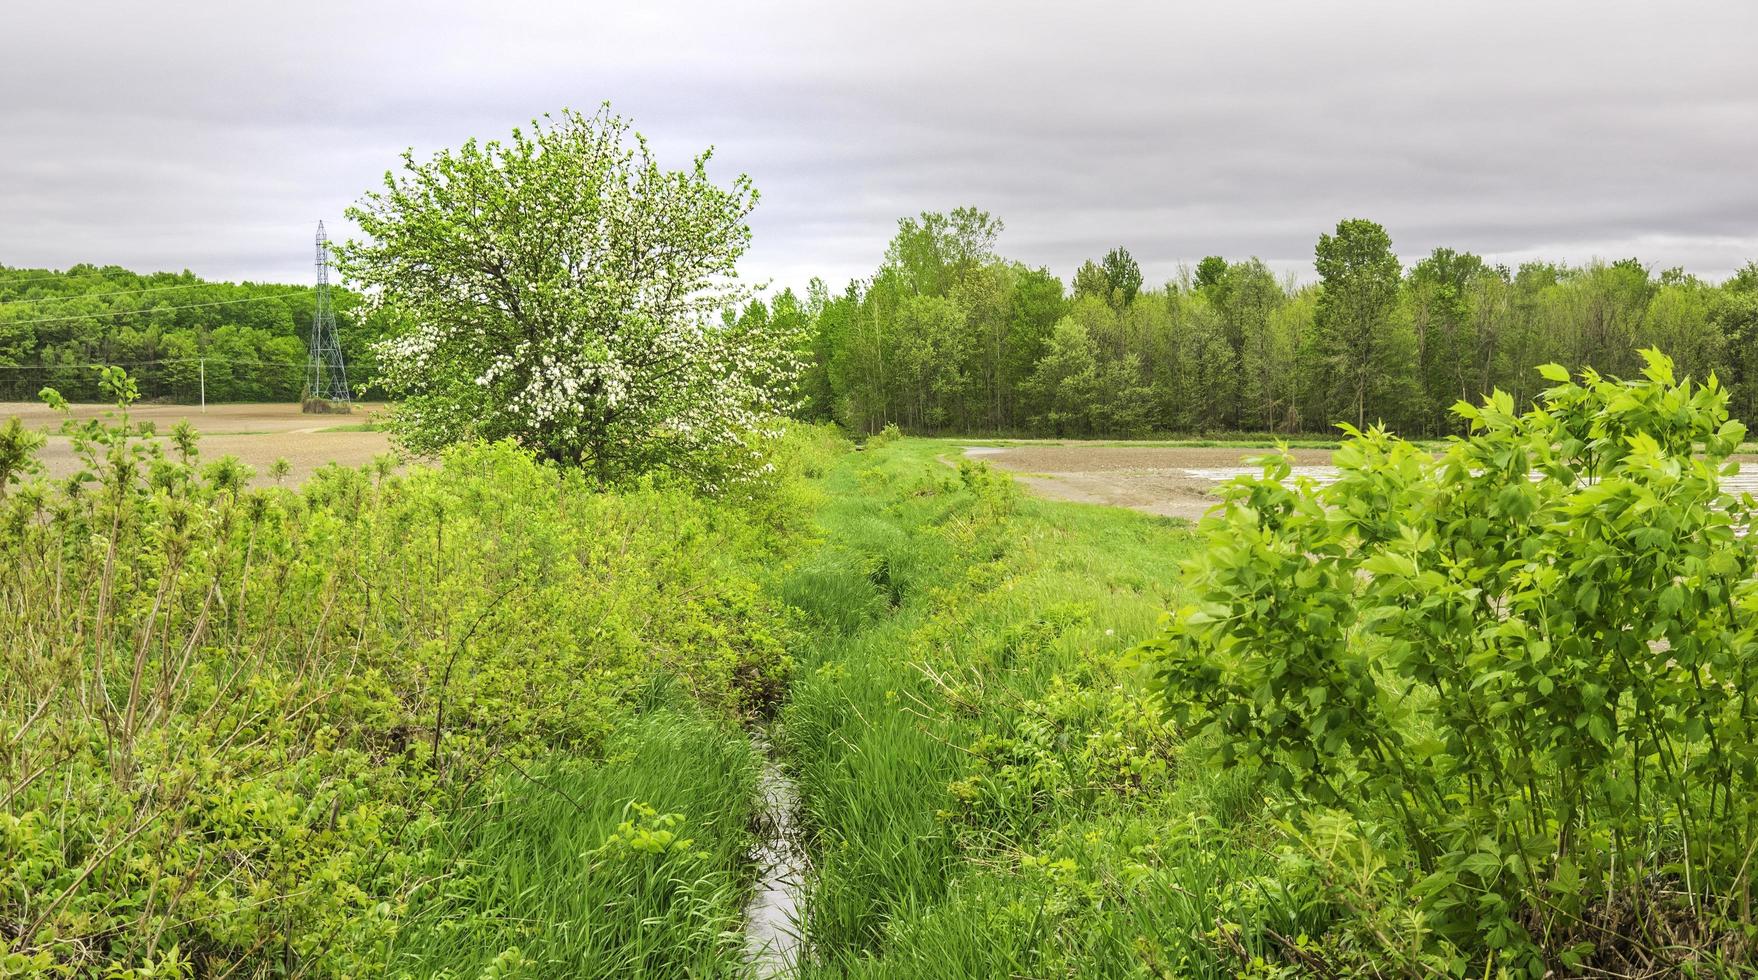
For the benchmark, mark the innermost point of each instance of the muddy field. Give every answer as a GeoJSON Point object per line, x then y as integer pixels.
{"type": "Point", "coordinates": [256, 434]}
{"type": "Point", "coordinates": [1169, 481]}
{"type": "Point", "coordinates": [1176, 481]}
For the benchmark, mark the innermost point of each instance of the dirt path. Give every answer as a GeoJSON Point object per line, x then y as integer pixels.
{"type": "Point", "coordinates": [257, 434]}
{"type": "Point", "coordinates": [1168, 481]}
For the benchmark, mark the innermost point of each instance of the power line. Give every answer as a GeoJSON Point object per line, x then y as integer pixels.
{"type": "Point", "coordinates": [155, 309]}
{"type": "Point", "coordinates": [129, 364]}
{"type": "Point", "coordinates": [19, 282]}
{"type": "Point", "coordinates": [120, 292]}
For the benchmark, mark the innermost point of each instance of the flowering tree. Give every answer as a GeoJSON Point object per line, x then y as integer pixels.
{"type": "Point", "coordinates": [563, 290]}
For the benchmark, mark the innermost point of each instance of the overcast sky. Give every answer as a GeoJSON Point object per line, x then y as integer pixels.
{"type": "Point", "coordinates": [212, 136]}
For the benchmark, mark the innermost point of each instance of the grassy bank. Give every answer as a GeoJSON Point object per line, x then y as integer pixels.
{"type": "Point", "coordinates": [627, 865]}
{"type": "Point", "coordinates": [480, 719]}
{"type": "Point", "coordinates": [1507, 754]}
{"type": "Point", "coordinates": [990, 791]}
{"type": "Point", "coordinates": [485, 719]}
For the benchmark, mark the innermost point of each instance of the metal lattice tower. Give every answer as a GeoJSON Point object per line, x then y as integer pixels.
{"type": "Point", "coordinates": [326, 377]}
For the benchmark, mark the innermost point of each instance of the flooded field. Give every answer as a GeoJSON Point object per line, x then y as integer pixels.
{"type": "Point", "coordinates": [1163, 480]}
{"type": "Point", "coordinates": [1175, 481]}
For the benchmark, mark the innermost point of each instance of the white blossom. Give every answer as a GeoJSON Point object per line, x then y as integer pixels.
{"type": "Point", "coordinates": [564, 291]}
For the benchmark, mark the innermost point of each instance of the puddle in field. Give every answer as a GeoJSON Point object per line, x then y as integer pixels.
{"type": "Point", "coordinates": [1745, 481]}
{"type": "Point", "coordinates": [1172, 481]}
{"type": "Point", "coordinates": [772, 917]}
{"type": "Point", "coordinates": [1320, 475]}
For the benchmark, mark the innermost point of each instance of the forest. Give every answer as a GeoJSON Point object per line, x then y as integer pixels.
{"type": "Point", "coordinates": [949, 336]}
{"type": "Point", "coordinates": [161, 327]}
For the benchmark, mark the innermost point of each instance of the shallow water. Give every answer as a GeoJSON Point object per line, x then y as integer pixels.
{"type": "Point", "coordinates": [772, 917]}
{"type": "Point", "coordinates": [1320, 475]}
{"type": "Point", "coordinates": [1745, 481]}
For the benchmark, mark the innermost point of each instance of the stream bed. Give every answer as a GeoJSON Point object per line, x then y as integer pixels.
{"type": "Point", "coordinates": [773, 916]}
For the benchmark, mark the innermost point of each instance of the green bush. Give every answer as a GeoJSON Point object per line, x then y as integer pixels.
{"type": "Point", "coordinates": [239, 728]}
{"type": "Point", "coordinates": [886, 436]}
{"type": "Point", "coordinates": [1510, 685]}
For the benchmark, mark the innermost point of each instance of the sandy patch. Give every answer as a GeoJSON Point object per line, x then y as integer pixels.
{"type": "Point", "coordinates": [257, 434]}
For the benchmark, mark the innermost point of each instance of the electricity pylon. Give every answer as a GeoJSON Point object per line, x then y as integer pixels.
{"type": "Point", "coordinates": [326, 377]}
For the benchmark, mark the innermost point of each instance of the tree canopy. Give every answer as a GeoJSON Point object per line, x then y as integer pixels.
{"type": "Point", "coordinates": [563, 290]}
{"type": "Point", "coordinates": [948, 334]}
{"type": "Point", "coordinates": [58, 328]}
{"type": "Point", "coordinates": [1232, 346]}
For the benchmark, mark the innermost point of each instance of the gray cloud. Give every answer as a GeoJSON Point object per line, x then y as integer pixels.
{"type": "Point", "coordinates": [212, 136]}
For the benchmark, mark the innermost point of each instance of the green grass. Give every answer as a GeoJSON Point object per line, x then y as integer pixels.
{"type": "Point", "coordinates": [531, 873]}
{"type": "Point", "coordinates": [990, 791]}
{"type": "Point", "coordinates": [987, 785]}
{"type": "Point", "coordinates": [389, 725]}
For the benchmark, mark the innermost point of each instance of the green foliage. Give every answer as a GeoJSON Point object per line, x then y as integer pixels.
{"type": "Point", "coordinates": [561, 290]}
{"type": "Point", "coordinates": [18, 448]}
{"type": "Point", "coordinates": [162, 326]}
{"type": "Point", "coordinates": [932, 254]}
{"type": "Point", "coordinates": [623, 866]}
{"type": "Point", "coordinates": [949, 336]}
{"type": "Point", "coordinates": [1511, 682]}
{"type": "Point", "coordinates": [257, 731]}
{"type": "Point", "coordinates": [1367, 349]}
{"type": "Point", "coordinates": [989, 785]}
{"type": "Point", "coordinates": [941, 337]}
{"type": "Point", "coordinates": [890, 434]}
{"type": "Point", "coordinates": [1065, 384]}
{"type": "Point", "coordinates": [1122, 275]}
{"type": "Point", "coordinates": [1210, 272]}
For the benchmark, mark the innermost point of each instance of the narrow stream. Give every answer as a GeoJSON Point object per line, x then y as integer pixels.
{"type": "Point", "coordinates": [772, 917]}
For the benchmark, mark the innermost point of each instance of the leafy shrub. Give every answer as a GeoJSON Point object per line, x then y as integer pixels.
{"type": "Point", "coordinates": [884, 437]}
{"type": "Point", "coordinates": [1066, 748]}
{"type": "Point", "coordinates": [996, 492]}
{"type": "Point", "coordinates": [238, 725]}
{"type": "Point", "coordinates": [1515, 680]}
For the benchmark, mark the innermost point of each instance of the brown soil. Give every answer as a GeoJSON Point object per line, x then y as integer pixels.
{"type": "Point", "coordinates": [256, 434]}
{"type": "Point", "coordinates": [1078, 458]}
{"type": "Point", "coordinates": [1151, 479]}
{"type": "Point", "coordinates": [1154, 479]}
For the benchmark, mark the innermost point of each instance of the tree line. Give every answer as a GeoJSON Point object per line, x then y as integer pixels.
{"type": "Point", "coordinates": [949, 336]}
{"type": "Point", "coordinates": [162, 327]}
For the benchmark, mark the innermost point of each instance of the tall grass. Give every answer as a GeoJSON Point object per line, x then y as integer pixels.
{"type": "Point", "coordinates": [562, 873]}
{"type": "Point", "coordinates": [990, 790]}
{"type": "Point", "coordinates": [293, 733]}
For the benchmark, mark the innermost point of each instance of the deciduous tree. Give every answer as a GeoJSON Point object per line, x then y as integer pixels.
{"type": "Point", "coordinates": [563, 290]}
{"type": "Point", "coordinates": [1368, 349]}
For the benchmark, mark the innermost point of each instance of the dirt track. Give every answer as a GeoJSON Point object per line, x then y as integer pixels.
{"type": "Point", "coordinates": [256, 434]}
{"type": "Point", "coordinates": [1169, 481]}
